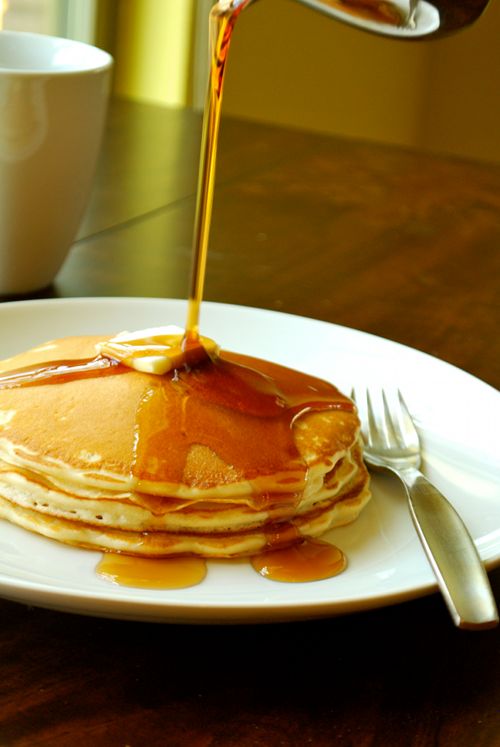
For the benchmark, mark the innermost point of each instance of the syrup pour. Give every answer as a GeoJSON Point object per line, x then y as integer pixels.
{"type": "Point", "coordinates": [222, 19]}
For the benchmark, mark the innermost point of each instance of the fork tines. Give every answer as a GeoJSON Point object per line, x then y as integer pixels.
{"type": "Point", "coordinates": [386, 419]}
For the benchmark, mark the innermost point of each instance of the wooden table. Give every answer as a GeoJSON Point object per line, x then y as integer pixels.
{"type": "Point", "coordinates": [401, 244]}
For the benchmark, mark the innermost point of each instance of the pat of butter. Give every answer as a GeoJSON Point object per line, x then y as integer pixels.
{"type": "Point", "coordinates": [155, 350]}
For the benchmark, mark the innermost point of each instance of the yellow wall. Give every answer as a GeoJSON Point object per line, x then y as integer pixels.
{"type": "Point", "coordinates": [293, 66]}
{"type": "Point", "coordinates": [153, 50]}
{"type": "Point", "coordinates": [462, 111]}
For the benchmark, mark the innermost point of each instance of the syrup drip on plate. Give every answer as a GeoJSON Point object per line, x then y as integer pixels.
{"type": "Point", "coordinates": [152, 573]}
{"type": "Point", "coordinates": [308, 560]}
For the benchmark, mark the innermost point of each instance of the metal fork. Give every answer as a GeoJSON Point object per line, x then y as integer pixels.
{"type": "Point", "coordinates": [392, 444]}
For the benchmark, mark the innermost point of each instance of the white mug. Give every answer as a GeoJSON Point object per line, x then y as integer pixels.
{"type": "Point", "coordinates": [53, 102]}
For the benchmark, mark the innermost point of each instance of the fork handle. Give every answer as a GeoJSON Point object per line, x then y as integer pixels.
{"type": "Point", "coordinates": [452, 554]}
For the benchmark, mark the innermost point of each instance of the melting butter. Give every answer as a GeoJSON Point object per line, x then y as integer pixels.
{"type": "Point", "coordinates": [155, 350]}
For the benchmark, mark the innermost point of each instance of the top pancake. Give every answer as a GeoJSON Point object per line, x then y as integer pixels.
{"type": "Point", "coordinates": [175, 435]}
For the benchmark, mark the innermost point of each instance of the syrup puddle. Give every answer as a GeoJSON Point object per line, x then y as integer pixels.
{"type": "Point", "coordinates": [152, 573]}
{"type": "Point", "coordinates": [310, 560]}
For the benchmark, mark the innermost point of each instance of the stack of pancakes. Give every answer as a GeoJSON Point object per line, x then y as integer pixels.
{"type": "Point", "coordinates": [160, 465]}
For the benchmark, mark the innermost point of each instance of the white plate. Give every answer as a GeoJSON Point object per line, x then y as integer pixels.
{"type": "Point", "coordinates": [459, 420]}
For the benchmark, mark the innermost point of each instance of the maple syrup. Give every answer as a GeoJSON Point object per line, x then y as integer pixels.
{"type": "Point", "coordinates": [308, 560]}
{"type": "Point", "coordinates": [57, 372]}
{"type": "Point", "coordinates": [380, 11]}
{"type": "Point", "coordinates": [152, 573]}
{"type": "Point", "coordinates": [222, 20]}
{"type": "Point", "coordinates": [233, 406]}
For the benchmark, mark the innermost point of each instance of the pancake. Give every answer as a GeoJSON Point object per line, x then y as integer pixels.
{"type": "Point", "coordinates": [222, 459]}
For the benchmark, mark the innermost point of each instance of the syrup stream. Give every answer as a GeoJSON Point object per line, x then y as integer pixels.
{"type": "Point", "coordinates": [222, 19]}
